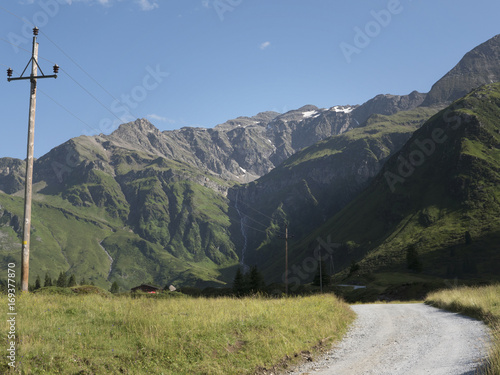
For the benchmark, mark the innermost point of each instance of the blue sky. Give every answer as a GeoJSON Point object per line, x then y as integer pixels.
{"type": "Point", "coordinates": [202, 62]}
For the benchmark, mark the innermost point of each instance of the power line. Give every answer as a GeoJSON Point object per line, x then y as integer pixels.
{"type": "Point", "coordinates": [255, 221]}
{"type": "Point", "coordinates": [24, 49]}
{"type": "Point", "coordinates": [88, 75]}
{"type": "Point", "coordinates": [68, 111]}
{"type": "Point", "coordinates": [258, 230]}
{"type": "Point", "coordinates": [90, 94]}
{"type": "Point", "coordinates": [15, 45]}
{"type": "Point", "coordinates": [66, 72]}
{"type": "Point", "coordinates": [246, 225]}
{"type": "Point", "coordinates": [254, 209]}
{"type": "Point", "coordinates": [236, 204]}
{"type": "Point", "coordinates": [73, 79]}
{"type": "Point", "coordinates": [15, 15]}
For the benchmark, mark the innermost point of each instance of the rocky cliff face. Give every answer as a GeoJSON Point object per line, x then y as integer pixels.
{"type": "Point", "coordinates": [242, 149]}
{"type": "Point", "coordinates": [239, 150]}
{"type": "Point", "coordinates": [478, 67]}
{"type": "Point", "coordinates": [388, 105]}
{"type": "Point", "coordinates": [12, 172]}
{"type": "Point", "coordinates": [247, 148]}
{"type": "Point", "coordinates": [318, 181]}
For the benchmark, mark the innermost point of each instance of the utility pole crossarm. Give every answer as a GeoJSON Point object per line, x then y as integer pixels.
{"type": "Point", "coordinates": [37, 77]}
{"type": "Point", "coordinates": [25, 255]}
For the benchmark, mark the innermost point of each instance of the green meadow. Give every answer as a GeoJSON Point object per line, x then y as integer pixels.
{"type": "Point", "coordinates": [105, 334]}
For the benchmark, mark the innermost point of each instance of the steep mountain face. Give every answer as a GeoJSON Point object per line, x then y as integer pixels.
{"type": "Point", "coordinates": [388, 105]}
{"type": "Point", "coordinates": [318, 181]}
{"type": "Point", "coordinates": [12, 172]}
{"type": "Point", "coordinates": [438, 196]}
{"type": "Point", "coordinates": [246, 148]}
{"type": "Point", "coordinates": [110, 213]}
{"type": "Point", "coordinates": [242, 149]}
{"type": "Point", "coordinates": [478, 67]}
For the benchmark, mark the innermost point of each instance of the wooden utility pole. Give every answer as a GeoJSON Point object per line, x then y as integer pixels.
{"type": "Point", "coordinates": [320, 274]}
{"type": "Point", "coordinates": [286, 259]}
{"type": "Point", "coordinates": [25, 256]}
{"type": "Point", "coordinates": [286, 237]}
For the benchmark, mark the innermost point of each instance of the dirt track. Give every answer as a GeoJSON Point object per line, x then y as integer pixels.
{"type": "Point", "coordinates": [408, 339]}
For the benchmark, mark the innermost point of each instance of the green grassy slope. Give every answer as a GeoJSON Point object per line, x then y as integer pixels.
{"type": "Point", "coordinates": [318, 181]}
{"type": "Point", "coordinates": [159, 220]}
{"type": "Point", "coordinates": [439, 195]}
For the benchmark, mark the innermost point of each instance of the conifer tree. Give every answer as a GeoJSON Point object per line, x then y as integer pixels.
{"type": "Point", "coordinates": [48, 280]}
{"type": "Point", "coordinates": [61, 280]}
{"type": "Point", "coordinates": [239, 283]}
{"type": "Point", "coordinates": [256, 280]}
{"type": "Point", "coordinates": [468, 238]}
{"type": "Point", "coordinates": [72, 281]}
{"type": "Point", "coordinates": [114, 287]}
{"type": "Point", "coordinates": [38, 283]}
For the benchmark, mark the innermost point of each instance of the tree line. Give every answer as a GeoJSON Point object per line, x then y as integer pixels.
{"type": "Point", "coordinates": [62, 281]}
{"type": "Point", "coordinates": [252, 281]}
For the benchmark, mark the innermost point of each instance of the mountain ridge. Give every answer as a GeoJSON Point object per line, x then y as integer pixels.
{"type": "Point", "coordinates": [183, 206]}
{"type": "Point", "coordinates": [431, 203]}
{"type": "Point", "coordinates": [478, 67]}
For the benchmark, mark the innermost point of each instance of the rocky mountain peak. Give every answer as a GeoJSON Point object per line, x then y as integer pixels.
{"type": "Point", "coordinates": [388, 104]}
{"type": "Point", "coordinates": [141, 126]}
{"type": "Point", "coordinates": [478, 67]}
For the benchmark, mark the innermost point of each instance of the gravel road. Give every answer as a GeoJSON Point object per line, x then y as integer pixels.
{"type": "Point", "coordinates": [408, 339]}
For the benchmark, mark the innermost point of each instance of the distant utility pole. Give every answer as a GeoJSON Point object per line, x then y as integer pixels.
{"type": "Point", "coordinates": [320, 274]}
{"type": "Point", "coordinates": [29, 159]}
{"type": "Point", "coordinates": [287, 236]}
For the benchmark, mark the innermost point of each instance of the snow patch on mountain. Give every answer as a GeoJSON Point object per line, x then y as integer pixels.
{"type": "Point", "coordinates": [344, 109]}
{"type": "Point", "coordinates": [308, 114]}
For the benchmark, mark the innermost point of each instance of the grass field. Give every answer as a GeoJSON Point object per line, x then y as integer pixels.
{"type": "Point", "coordinates": [481, 303]}
{"type": "Point", "coordinates": [94, 334]}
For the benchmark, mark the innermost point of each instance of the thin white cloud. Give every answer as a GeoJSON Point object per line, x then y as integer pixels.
{"type": "Point", "coordinates": [90, 2]}
{"type": "Point", "coordinates": [148, 4]}
{"type": "Point", "coordinates": [265, 45]}
{"type": "Point", "coordinates": [159, 118]}
{"type": "Point", "coordinates": [143, 4]}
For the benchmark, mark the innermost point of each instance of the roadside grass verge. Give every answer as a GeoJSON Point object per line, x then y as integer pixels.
{"type": "Point", "coordinates": [478, 302]}
{"type": "Point", "coordinates": [92, 334]}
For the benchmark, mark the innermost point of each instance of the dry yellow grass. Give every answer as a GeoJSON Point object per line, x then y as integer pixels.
{"type": "Point", "coordinates": [479, 302]}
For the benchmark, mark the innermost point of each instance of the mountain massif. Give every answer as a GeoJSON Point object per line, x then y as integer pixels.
{"type": "Point", "coordinates": [189, 206]}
